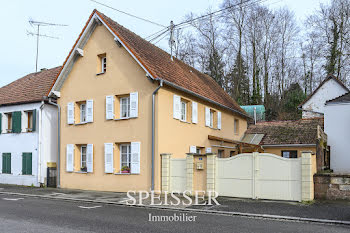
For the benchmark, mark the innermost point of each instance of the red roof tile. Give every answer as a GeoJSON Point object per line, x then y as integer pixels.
{"type": "Point", "coordinates": [31, 88]}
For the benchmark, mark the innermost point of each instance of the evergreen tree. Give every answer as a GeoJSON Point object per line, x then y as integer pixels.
{"type": "Point", "coordinates": [215, 67]}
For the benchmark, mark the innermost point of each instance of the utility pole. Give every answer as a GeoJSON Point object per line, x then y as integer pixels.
{"type": "Point", "coordinates": [38, 24]}
{"type": "Point", "coordinates": [171, 40]}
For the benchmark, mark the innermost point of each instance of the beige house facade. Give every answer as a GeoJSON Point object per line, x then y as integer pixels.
{"type": "Point", "coordinates": [124, 102]}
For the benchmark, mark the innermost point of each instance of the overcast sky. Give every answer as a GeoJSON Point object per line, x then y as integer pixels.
{"type": "Point", "coordinates": [18, 49]}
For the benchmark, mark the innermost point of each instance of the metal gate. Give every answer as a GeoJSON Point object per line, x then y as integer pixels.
{"type": "Point", "coordinates": [259, 175]}
{"type": "Point", "coordinates": [178, 175]}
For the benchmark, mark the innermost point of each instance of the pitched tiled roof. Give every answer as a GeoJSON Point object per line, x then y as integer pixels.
{"type": "Point", "coordinates": [158, 63]}
{"type": "Point", "coordinates": [321, 84]}
{"type": "Point", "coordinates": [302, 131]}
{"type": "Point", "coordinates": [341, 99]}
{"type": "Point", "coordinates": [31, 88]}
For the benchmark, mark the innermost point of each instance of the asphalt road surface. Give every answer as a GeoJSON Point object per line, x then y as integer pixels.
{"type": "Point", "coordinates": [28, 214]}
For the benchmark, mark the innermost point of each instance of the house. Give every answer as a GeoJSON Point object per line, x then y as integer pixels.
{"type": "Point", "coordinates": [329, 89]}
{"type": "Point", "coordinates": [337, 125]}
{"type": "Point", "coordinates": [285, 138]}
{"type": "Point", "coordinates": [125, 102]}
{"type": "Point", "coordinates": [28, 129]}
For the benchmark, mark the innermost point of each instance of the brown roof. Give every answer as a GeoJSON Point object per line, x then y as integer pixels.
{"type": "Point", "coordinates": [31, 88]}
{"type": "Point", "coordinates": [302, 131]}
{"type": "Point", "coordinates": [158, 63]}
{"type": "Point", "coordinates": [321, 84]}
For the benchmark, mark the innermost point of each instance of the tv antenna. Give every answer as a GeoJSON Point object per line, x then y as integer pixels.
{"type": "Point", "coordinates": [39, 24]}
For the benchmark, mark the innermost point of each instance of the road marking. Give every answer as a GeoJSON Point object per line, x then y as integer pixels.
{"type": "Point", "coordinates": [12, 199]}
{"type": "Point", "coordinates": [90, 207]}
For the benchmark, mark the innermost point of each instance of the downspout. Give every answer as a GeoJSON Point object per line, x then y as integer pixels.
{"type": "Point", "coordinates": [58, 142]}
{"type": "Point", "coordinates": [40, 141]}
{"type": "Point", "coordinates": [153, 131]}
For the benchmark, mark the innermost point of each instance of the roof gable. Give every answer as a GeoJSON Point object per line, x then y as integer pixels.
{"type": "Point", "coordinates": [330, 77]}
{"type": "Point", "coordinates": [30, 88]}
{"type": "Point", "coordinates": [156, 63]}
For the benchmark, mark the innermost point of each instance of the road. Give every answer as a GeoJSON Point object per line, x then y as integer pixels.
{"type": "Point", "coordinates": [29, 214]}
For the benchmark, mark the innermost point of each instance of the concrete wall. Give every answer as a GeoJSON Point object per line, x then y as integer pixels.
{"type": "Point", "coordinates": [18, 143]}
{"type": "Point", "coordinates": [330, 90]}
{"type": "Point", "coordinates": [337, 125]}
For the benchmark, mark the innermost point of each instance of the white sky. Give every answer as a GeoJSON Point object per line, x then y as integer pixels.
{"type": "Point", "coordinates": [19, 49]}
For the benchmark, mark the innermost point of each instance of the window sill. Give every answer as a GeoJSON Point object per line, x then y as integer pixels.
{"type": "Point", "coordinates": [126, 173]}
{"type": "Point", "coordinates": [82, 172]}
{"type": "Point", "coordinates": [127, 118]}
{"type": "Point", "coordinates": [82, 123]}
{"type": "Point", "coordinates": [100, 73]}
{"type": "Point", "coordinates": [185, 122]}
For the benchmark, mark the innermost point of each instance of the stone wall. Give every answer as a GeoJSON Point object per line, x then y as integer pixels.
{"type": "Point", "coordinates": [332, 186]}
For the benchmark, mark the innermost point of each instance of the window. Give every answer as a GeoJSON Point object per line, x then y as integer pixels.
{"type": "Point", "coordinates": [125, 107]}
{"type": "Point", "coordinates": [27, 164]}
{"type": "Point", "coordinates": [220, 153]}
{"type": "Point", "coordinates": [83, 158]}
{"type": "Point", "coordinates": [125, 156]}
{"type": "Point", "coordinates": [236, 126]}
{"type": "Point", "coordinates": [291, 154]}
{"type": "Point", "coordinates": [30, 116]}
{"type": "Point", "coordinates": [232, 153]}
{"type": "Point", "coordinates": [9, 122]}
{"type": "Point", "coordinates": [83, 112]}
{"type": "Point", "coordinates": [211, 118]}
{"type": "Point", "coordinates": [6, 163]}
{"type": "Point", "coordinates": [183, 111]}
{"type": "Point", "coordinates": [103, 64]}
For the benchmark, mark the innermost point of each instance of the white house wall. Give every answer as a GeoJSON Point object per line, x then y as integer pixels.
{"type": "Point", "coordinates": [17, 143]}
{"type": "Point", "coordinates": [337, 127]}
{"type": "Point", "coordinates": [329, 90]}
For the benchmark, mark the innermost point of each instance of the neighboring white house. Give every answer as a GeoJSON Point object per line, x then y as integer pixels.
{"type": "Point", "coordinates": [329, 89]}
{"type": "Point", "coordinates": [28, 129]}
{"type": "Point", "coordinates": [337, 127]}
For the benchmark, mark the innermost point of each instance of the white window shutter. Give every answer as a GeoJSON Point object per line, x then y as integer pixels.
{"type": "Point", "coordinates": [89, 111]}
{"type": "Point", "coordinates": [194, 112]}
{"type": "Point", "coordinates": [193, 149]}
{"type": "Point", "coordinates": [24, 121]}
{"type": "Point", "coordinates": [219, 120]}
{"type": "Point", "coordinates": [70, 113]}
{"type": "Point", "coordinates": [208, 150]}
{"type": "Point", "coordinates": [110, 107]}
{"type": "Point", "coordinates": [176, 107]}
{"type": "Point", "coordinates": [109, 158]}
{"type": "Point", "coordinates": [90, 157]}
{"type": "Point", "coordinates": [70, 157]}
{"type": "Point", "coordinates": [135, 157]}
{"type": "Point", "coordinates": [134, 102]}
{"type": "Point", "coordinates": [207, 116]}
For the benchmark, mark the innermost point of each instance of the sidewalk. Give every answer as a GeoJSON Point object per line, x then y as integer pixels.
{"type": "Point", "coordinates": [326, 210]}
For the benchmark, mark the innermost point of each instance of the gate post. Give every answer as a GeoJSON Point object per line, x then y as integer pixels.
{"type": "Point", "coordinates": [189, 172]}
{"type": "Point", "coordinates": [307, 183]}
{"type": "Point", "coordinates": [211, 172]}
{"type": "Point", "coordinates": [165, 172]}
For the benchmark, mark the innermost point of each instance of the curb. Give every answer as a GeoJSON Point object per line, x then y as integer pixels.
{"type": "Point", "coordinates": [191, 210]}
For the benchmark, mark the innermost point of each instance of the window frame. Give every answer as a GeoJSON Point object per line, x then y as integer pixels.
{"type": "Point", "coordinates": [128, 155]}
{"type": "Point", "coordinates": [9, 116]}
{"type": "Point", "coordinates": [103, 64]}
{"type": "Point", "coordinates": [289, 154]}
{"type": "Point", "coordinates": [127, 108]}
{"type": "Point", "coordinates": [82, 116]}
{"type": "Point", "coordinates": [81, 157]}
{"type": "Point", "coordinates": [211, 119]}
{"type": "Point", "coordinates": [236, 126]}
{"type": "Point", "coordinates": [183, 106]}
{"type": "Point", "coordinates": [221, 153]}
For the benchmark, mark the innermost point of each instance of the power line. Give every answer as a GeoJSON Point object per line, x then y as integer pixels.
{"type": "Point", "coordinates": [154, 34]}
{"type": "Point", "coordinates": [123, 12]}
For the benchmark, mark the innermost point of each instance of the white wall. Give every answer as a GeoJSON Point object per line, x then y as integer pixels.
{"type": "Point", "coordinates": [337, 127]}
{"type": "Point", "coordinates": [330, 90]}
{"type": "Point", "coordinates": [16, 144]}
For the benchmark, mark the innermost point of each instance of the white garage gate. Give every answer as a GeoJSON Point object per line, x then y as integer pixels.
{"type": "Point", "coordinates": [259, 175]}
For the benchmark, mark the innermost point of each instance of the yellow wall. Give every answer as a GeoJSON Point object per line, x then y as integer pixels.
{"type": "Point", "coordinates": [278, 150]}
{"type": "Point", "coordinates": [123, 76]}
